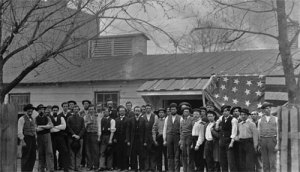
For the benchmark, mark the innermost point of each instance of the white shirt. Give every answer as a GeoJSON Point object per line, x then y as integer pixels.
{"type": "Point", "coordinates": [208, 135]}
{"type": "Point", "coordinates": [148, 116]}
{"type": "Point", "coordinates": [196, 126]}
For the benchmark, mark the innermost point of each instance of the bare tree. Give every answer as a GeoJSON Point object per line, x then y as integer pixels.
{"type": "Point", "coordinates": [33, 32]}
{"type": "Point", "coordinates": [269, 18]}
{"type": "Point", "coordinates": [210, 40]}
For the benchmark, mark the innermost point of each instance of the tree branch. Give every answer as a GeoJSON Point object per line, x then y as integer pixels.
{"type": "Point", "coordinates": [236, 30]}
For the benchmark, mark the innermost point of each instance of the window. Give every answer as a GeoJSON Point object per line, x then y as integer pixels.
{"type": "Point", "coordinates": [20, 99]}
{"type": "Point", "coordinates": [102, 97]}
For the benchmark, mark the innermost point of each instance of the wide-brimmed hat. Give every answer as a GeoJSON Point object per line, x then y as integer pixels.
{"type": "Point", "coordinates": [72, 101]}
{"type": "Point", "coordinates": [235, 107]}
{"type": "Point", "coordinates": [89, 102]}
{"type": "Point", "coordinates": [161, 109]}
{"type": "Point", "coordinates": [28, 106]}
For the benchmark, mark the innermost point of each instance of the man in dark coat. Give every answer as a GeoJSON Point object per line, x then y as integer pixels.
{"type": "Point", "coordinates": [129, 112]}
{"type": "Point", "coordinates": [150, 118]}
{"type": "Point", "coordinates": [120, 140]}
{"type": "Point", "coordinates": [136, 140]}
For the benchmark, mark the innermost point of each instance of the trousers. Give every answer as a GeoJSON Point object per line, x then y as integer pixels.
{"type": "Point", "coordinates": [45, 152]}
{"type": "Point", "coordinates": [268, 153]}
{"type": "Point", "coordinates": [173, 152]}
{"type": "Point", "coordinates": [92, 150]}
{"type": "Point", "coordinates": [28, 153]}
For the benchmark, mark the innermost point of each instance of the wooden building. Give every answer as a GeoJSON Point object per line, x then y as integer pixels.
{"type": "Point", "coordinates": [118, 67]}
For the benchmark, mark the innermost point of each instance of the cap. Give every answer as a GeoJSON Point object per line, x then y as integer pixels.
{"type": "Point", "coordinates": [266, 104]}
{"type": "Point", "coordinates": [187, 108]}
{"type": "Point", "coordinates": [203, 108]}
{"type": "Point", "coordinates": [210, 103]}
{"type": "Point", "coordinates": [55, 106]}
{"type": "Point", "coordinates": [184, 103]}
{"type": "Point", "coordinates": [212, 112]}
{"type": "Point", "coordinates": [196, 110]}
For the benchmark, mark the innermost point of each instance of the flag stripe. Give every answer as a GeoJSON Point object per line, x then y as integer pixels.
{"type": "Point", "coordinates": [276, 90]}
{"type": "Point", "coordinates": [283, 96]}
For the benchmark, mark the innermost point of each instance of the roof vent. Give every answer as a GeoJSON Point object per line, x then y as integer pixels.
{"type": "Point", "coordinates": [118, 45]}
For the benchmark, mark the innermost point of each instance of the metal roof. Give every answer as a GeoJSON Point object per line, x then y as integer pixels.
{"type": "Point", "coordinates": [150, 67]}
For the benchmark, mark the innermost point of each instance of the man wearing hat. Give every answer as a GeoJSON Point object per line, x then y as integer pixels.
{"type": "Point", "coordinates": [150, 118]}
{"type": "Point", "coordinates": [26, 134]}
{"type": "Point", "coordinates": [171, 136]}
{"type": "Point", "coordinates": [108, 128]}
{"type": "Point", "coordinates": [157, 134]}
{"type": "Point", "coordinates": [268, 132]}
{"type": "Point", "coordinates": [44, 124]}
{"type": "Point", "coordinates": [182, 106]}
{"type": "Point", "coordinates": [198, 139]}
{"type": "Point", "coordinates": [58, 139]}
{"type": "Point", "coordinates": [121, 150]}
{"type": "Point", "coordinates": [112, 112]}
{"type": "Point", "coordinates": [186, 126]}
{"type": "Point", "coordinates": [248, 141]}
{"type": "Point", "coordinates": [71, 104]}
{"type": "Point", "coordinates": [228, 131]}
{"type": "Point", "coordinates": [236, 113]}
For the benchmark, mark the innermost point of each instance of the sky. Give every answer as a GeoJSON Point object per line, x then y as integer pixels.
{"type": "Point", "coordinates": [180, 21]}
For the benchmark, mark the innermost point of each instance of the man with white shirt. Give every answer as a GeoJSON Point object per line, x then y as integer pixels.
{"type": "Point", "coordinates": [198, 131]}
{"type": "Point", "coordinates": [209, 141]}
{"type": "Point", "coordinates": [268, 132]}
{"type": "Point", "coordinates": [228, 131]}
{"type": "Point", "coordinates": [171, 135]}
{"type": "Point", "coordinates": [58, 139]}
{"type": "Point", "coordinates": [27, 136]}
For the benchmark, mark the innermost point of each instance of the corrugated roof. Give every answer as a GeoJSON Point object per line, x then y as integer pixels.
{"type": "Point", "coordinates": [150, 67]}
{"type": "Point", "coordinates": [173, 85]}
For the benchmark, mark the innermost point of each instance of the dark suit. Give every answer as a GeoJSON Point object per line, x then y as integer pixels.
{"type": "Point", "coordinates": [121, 143]}
{"type": "Point", "coordinates": [136, 136]}
{"type": "Point", "coordinates": [150, 148]}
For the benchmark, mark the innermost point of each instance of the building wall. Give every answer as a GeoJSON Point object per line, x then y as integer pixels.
{"type": "Point", "coordinates": [56, 94]}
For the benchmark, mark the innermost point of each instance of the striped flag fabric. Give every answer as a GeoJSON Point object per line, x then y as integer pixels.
{"type": "Point", "coordinates": [246, 91]}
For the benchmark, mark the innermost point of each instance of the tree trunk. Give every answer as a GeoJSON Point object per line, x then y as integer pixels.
{"type": "Point", "coordinates": [285, 52]}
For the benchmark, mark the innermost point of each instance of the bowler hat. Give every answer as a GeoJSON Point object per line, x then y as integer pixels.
{"type": "Point", "coordinates": [161, 109]}
{"type": "Point", "coordinates": [28, 106]}
{"type": "Point", "coordinates": [55, 106]}
{"type": "Point", "coordinates": [173, 105]}
{"type": "Point", "coordinates": [184, 103]}
{"type": "Point", "coordinates": [75, 145]}
{"type": "Point", "coordinates": [266, 104]}
{"type": "Point", "coordinates": [72, 101]}
{"type": "Point", "coordinates": [245, 111]}
{"type": "Point", "coordinates": [235, 107]}
{"type": "Point", "coordinates": [210, 103]}
{"type": "Point", "coordinates": [203, 108]}
{"type": "Point", "coordinates": [40, 106]}
{"type": "Point", "coordinates": [89, 102]}
{"type": "Point", "coordinates": [225, 107]}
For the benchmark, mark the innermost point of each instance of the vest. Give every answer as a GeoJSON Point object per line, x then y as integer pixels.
{"type": "Point", "coordinates": [173, 128]}
{"type": "Point", "coordinates": [29, 127]}
{"type": "Point", "coordinates": [105, 126]}
{"type": "Point", "coordinates": [226, 127]}
{"type": "Point", "coordinates": [56, 123]}
{"type": "Point", "coordinates": [268, 129]}
{"type": "Point", "coordinates": [93, 127]}
{"type": "Point", "coordinates": [42, 120]}
{"type": "Point", "coordinates": [149, 124]}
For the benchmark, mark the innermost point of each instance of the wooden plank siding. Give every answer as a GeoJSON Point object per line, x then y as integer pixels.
{"type": "Point", "coordinates": [49, 95]}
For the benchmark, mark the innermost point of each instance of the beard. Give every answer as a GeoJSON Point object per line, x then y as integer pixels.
{"type": "Point", "coordinates": [173, 113]}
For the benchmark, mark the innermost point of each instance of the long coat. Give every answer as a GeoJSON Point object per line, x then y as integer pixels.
{"type": "Point", "coordinates": [130, 130]}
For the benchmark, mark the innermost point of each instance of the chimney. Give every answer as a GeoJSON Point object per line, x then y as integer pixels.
{"type": "Point", "coordinates": [292, 28]}
{"type": "Point", "coordinates": [118, 45]}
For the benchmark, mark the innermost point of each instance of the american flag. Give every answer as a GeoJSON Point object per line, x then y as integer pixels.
{"type": "Point", "coordinates": [244, 91]}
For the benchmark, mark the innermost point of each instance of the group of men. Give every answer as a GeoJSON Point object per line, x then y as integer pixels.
{"type": "Point", "coordinates": [140, 139]}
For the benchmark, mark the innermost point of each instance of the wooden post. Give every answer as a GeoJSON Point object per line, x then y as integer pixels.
{"type": "Point", "coordinates": [8, 136]}
{"type": "Point", "coordinates": [289, 127]}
